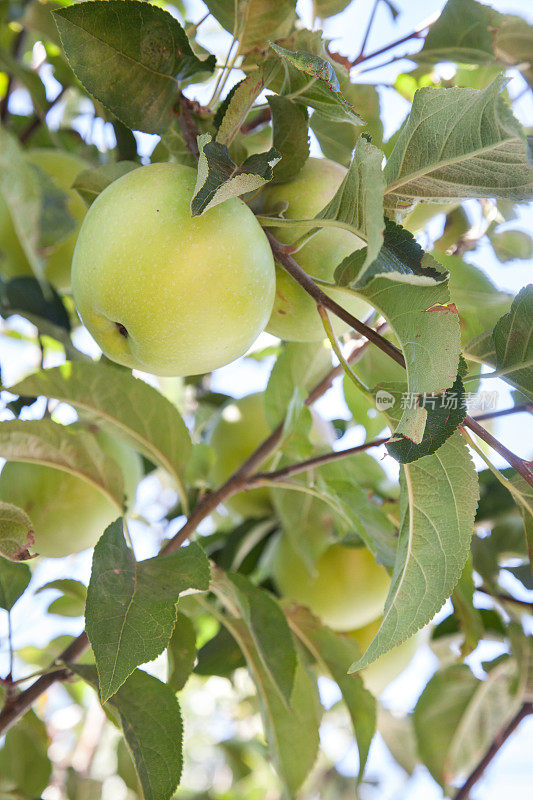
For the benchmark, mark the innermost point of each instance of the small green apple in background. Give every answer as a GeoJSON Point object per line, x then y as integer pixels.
{"type": "Point", "coordinates": [347, 589]}
{"type": "Point", "coordinates": [239, 429]}
{"type": "Point", "coordinates": [68, 514]}
{"type": "Point", "coordinates": [63, 168]}
{"type": "Point", "coordinates": [164, 292]}
{"type": "Point", "coordinates": [294, 316]}
{"type": "Point", "coordinates": [386, 668]}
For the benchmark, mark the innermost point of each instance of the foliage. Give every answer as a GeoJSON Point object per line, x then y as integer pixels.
{"type": "Point", "coordinates": [181, 612]}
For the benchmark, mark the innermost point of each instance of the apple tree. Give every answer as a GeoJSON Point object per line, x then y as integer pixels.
{"type": "Point", "coordinates": [204, 233]}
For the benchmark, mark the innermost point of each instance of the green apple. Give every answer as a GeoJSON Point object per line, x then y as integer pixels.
{"type": "Point", "coordinates": [63, 168]}
{"type": "Point", "coordinates": [239, 428]}
{"type": "Point", "coordinates": [385, 669]}
{"type": "Point", "coordinates": [347, 588]}
{"type": "Point", "coordinates": [164, 292]}
{"type": "Point", "coordinates": [68, 514]}
{"type": "Point", "coordinates": [294, 316]}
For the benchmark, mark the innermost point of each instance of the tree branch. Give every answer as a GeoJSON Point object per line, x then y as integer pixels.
{"type": "Point", "coordinates": [415, 34]}
{"type": "Point", "coordinates": [37, 120]}
{"type": "Point", "coordinates": [238, 481]}
{"type": "Point", "coordinates": [317, 461]}
{"type": "Point", "coordinates": [284, 258]}
{"type": "Point", "coordinates": [464, 791]}
{"type": "Point", "coordinates": [504, 412]}
{"type": "Point", "coordinates": [261, 118]}
{"type": "Point", "coordinates": [188, 125]}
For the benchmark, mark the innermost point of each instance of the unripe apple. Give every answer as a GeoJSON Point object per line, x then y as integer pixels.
{"type": "Point", "coordinates": [68, 514]}
{"type": "Point", "coordinates": [386, 668]}
{"type": "Point", "coordinates": [239, 429]}
{"type": "Point", "coordinates": [63, 168]}
{"type": "Point", "coordinates": [162, 291]}
{"type": "Point", "coordinates": [294, 316]}
{"type": "Point", "coordinates": [347, 588]}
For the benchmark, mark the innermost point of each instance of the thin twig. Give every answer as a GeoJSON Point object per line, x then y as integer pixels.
{"type": "Point", "coordinates": [515, 461]}
{"type": "Point", "coordinates": [188, 125]}
{"type": "Point", "coordinates": [504, 412]}
{"type": "Point", "coordinates": [39, 119]}
{"type": "Point", "coordinates": [10, 714]}
{"type": "Point", "coordinates": [367, 32]}
{"type": "Point", "coordinates": [262, 117]}
{"type": "Point", "coordinates": [464, 791]}
{"type": "Point", "coordinates": [415, 34]}
{"type": "Point", "coordinates": [317, 461]}
{"type": "Point", "coordinates": [321, 298]}
{"type": "Point", "coordinates": [504, 598]}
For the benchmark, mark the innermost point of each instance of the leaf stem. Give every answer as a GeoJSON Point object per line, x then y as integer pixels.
{"type": "Point", "coordinates": [326, 322]}
{"type": "Point", "coordinates": [500, 739]}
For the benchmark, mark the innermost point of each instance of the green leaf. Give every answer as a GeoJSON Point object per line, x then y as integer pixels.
{"type": "Point", "coordinates": [406, 286]}
{"type": "Point", "coordinates": [270, 632]}
{"type": "Point", "coordinates": [444, 413]}
{"type": "Point", "coordinates": [55, 220]}
{"type": "Point", "coordinates": [131, 57]}
{"type": "Point", "coordinates": [38, 302]}
{"type": "Point", "coordinates": [336, 652]}
{"type": "Point", "coordinates": [221, 655]}
{"type": "Point", "coordinates": [66, 447]}
{"type": "Point", "coordinates": [462, 34]}
{"type": "Point", "coordinates": [322, 92]}
{"type": "Point", "coordinates": [459, 143]}
{"type": "Point", "coordinates": [25, 767]}
{"type": "Point", "coordinates": [523, 495]}
{"type": "Point", "coordinates": [14, 579]}
{"type": "Point", "coordinates": [513, 341]}
{"type": "Point", "coordinates": [119, 401]}
{"type": "Point", "coordinates": [290, 136]}
{"type": "Point", "coordinates": [16, 533]}
{"type": "Point", "coordinates": [299, 365]}
{"type": "Point", "coordinates": [337, 139]}
{"type": "Point", "coordinates": [131, 606]}
{"type": "Point", "coordinates": [457, 717]}
{"type": "Point", "coordinates": [29, 78]}
{"type": "Point", "coordinates": [257, 20]}
{"type": "Point", "coordinates": [367, 519]}
{"type": "Point", "coordinates": [291, 732]}
{"type": "Point", "coordinates": [181, 652]}
{"type": "Point", "coordinates": [219, 178]}
{"type": "Point", "coordinates": [470, 290]}
{"type": "Point", "coordinates": [327, 8]}
{"type": "Point", "coordinates": [399, 736]}
{"type": "Point", "coordinates": [21, 192]}
{"type": "Point", "coordinates": [358, 201]}
{"type": "Point", "coordinates": [90, 182]}
{"type": "Point", "coordinates": [149, 715]}
{"type": "Point", "coordinates": [510, 245]}
{"type": "Point", "coordinates": [469, 618]}
{"type": "Point", "coordinates": [71, 603]}
{"type": "Point", "coordinates": [438, 501]}
{"type": "Point", "coordinates": [241, 101]}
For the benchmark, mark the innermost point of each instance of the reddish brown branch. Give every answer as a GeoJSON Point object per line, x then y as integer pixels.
{"type": "Point", "coordinates": [37, 120]}
{"type": "Point", "coordinates": [238, 481]}
{"type": "Point", "coordinates": [500, 739]}
{"type": "Point", "coordinates": [317, 461]}
{"type": "Point", "coordinates": [259, 119]}
{"type": "Point", "coordinates": [416, 34]}
{"type": "Point", "coordinates": [284, 258]}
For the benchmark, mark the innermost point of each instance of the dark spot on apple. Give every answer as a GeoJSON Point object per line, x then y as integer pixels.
{"type": "Point", "coordinates": [122, 329]}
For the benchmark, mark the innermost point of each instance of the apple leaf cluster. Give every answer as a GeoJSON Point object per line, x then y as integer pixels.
{"type": "Point", "coordinates": [192, 187]}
